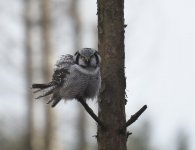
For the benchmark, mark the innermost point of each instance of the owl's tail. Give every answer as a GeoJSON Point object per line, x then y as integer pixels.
{"type": "Point", "coordinates": [48, 89]}
{"type": "Point", "coordinates": [41, 86]}
{"type": "Point", "coordinates": [55, 98]}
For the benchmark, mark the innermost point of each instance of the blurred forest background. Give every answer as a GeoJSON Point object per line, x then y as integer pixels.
{"type": "Point", "coordinates": [160, 70]}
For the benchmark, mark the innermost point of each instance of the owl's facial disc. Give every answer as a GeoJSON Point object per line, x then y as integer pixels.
{"type": "Point", "coordinates": [87, 58]}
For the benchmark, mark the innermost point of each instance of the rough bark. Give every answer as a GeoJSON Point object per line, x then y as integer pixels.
{"type": "Point", "coordinates": [112, 96]}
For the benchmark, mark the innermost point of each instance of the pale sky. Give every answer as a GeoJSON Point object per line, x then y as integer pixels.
{"type": "Point", "coordinates": [160, 65]}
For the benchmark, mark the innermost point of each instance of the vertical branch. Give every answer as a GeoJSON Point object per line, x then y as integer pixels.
{"type": "Point", "coordinates": [112, 98]}
{"type": "Point", "coordinates": [50, 138]}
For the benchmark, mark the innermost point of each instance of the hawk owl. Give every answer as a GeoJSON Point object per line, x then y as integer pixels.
{"type": "Point", "coordinates": [74, 77]}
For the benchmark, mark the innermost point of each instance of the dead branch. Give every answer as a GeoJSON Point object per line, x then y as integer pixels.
{"type": "Point", "coordinates": [135, 116]}
{"type": "Point", "coordinates": [90, 112]}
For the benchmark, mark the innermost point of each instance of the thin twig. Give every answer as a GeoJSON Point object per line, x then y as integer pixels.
{"type": "Point", "coordinates": [90, 111]}
{"type": "Point", "coordinates": [135, 116]}
{"type": "Point", "coordinates": [128, 134]}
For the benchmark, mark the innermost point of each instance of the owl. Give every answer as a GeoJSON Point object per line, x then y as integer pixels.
{"type": "Point", "coordinates": [75, 76]}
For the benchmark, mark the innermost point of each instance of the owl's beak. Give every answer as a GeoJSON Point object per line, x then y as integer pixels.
{"type": "Point", "coordinates": [87, 61]}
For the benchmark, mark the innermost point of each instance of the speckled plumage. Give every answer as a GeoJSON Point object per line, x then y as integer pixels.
{"type": "Point", "coordinates": [73, 77]}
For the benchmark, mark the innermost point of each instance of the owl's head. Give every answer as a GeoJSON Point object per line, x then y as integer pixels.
{"type": "Point", "coordinates": [87, 57]}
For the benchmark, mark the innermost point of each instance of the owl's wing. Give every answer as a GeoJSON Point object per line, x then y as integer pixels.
{"type": "Point", "coordinates": [61, 70]}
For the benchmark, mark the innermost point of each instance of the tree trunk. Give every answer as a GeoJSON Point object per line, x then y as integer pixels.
{"type": "Point", "coordinates": [112, 97]}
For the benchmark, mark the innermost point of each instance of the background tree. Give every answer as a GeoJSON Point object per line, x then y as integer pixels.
{"type": "Point", "coordinates": [50, 134]}
{"type": "Point", "coordinates": [29, 73]}
{"type": "Point", "coordinates": [35, 139]}
{"type": "Point", "coordinates": [77, 25]}
{"type": "Point", "coordinates": [182, 142]}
